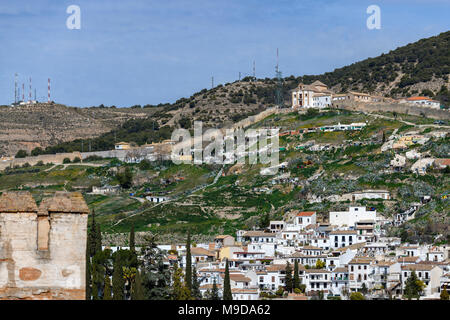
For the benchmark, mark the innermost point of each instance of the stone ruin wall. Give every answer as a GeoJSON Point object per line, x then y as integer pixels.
{"type": "Point", "coordinates": [404, 108]}
{"type": "Point", "coordinates": [43, 250]}
{"type": "Point", "coordinates": [45, 158]}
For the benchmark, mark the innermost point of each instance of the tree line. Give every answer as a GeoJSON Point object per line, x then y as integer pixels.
{"type": "Point", "coordinates": [127, 275]}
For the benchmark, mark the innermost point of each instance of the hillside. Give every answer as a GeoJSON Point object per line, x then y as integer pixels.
{"type": "Point", "coordinates": [421, 68]}
{"type": "Point", "coordinates": [38, 126]}
{"type": "Point", "coordinates": [243, 198]}
{"type": "Point", "coordinates": [409, 70]}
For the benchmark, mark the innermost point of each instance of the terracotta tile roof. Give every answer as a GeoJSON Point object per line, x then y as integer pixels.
{"type": "Point", "coordinates": [340, 269]}
{"type": "Point", "coordinates": [258, 234]}
{"type": "Point", "coordinates": [407, 259]}
{"type": "Point", "coordinates": [276, 267]}
{"type": "Point", "coordinates": [237, 277]}
{"type": "Point", "coordinates": [311, 248]}
{"type": "Point", "coordinates": [343, 232]}
{"type": "Point", "coordinates": [211, 270]}
{"type": "Point", "coordinates": [353, 246]}
{"type": "Point", "coordinates": [249, 291]}
{"type": "Point", "coordinates": [306, 213]}
{"type": "Point", "coordinates": [318, 83]}
{"type": "Point", "coordinates": [442, 162]}
{"type": "Point", "coordinates": [223, 236]}
{"type": "Point", "coordinates": [210, 286]}
{"type": "Point", "coordinates": [417, 98]}
{"type": "Point", "coordinates": [385, 263]}
{"type": "Point", "coordinates": [435, 263]}
{"type": "Point", "coordinates": [418, 266]}
{"type": "Point", "coordinates": [21, 201]}
{"type": "Point", "coordinates": [197, 251]}
{"type": "Point", "coordinates": [361, 260]}
{"type": "Point", "coordinates": [317, 271]}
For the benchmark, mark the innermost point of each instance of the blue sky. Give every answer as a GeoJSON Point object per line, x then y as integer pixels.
{"type": "Point", "coordinates": [145, 51]}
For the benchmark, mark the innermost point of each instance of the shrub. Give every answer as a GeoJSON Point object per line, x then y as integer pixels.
{"type": "Point", "coordinates": [21, 154]}
{"type": "Point", "coordinates": [357, 296]}
{"type": "Point", "coordinates": [66, 160]}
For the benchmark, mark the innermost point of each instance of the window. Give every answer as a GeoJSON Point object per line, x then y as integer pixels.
{"type": "Point", "coordinates": [351, 268]}
{"type": "Point", "coordinates": [273, 279]}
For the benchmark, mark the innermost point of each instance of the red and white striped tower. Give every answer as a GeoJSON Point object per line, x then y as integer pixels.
{"type": "Point", "coordinates": [48, 90]}
{"type": "Point", "coordinates": [30, 91]}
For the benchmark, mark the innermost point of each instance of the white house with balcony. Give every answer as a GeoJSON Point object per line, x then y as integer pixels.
{"type": "Point", "coordinates": [343, 238]}
{"type": "Point", "coordinates": [317, 280]}
{"type": "Point", "coordinates": [304, 219]}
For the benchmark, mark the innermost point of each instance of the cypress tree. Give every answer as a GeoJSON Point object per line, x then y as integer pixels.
{"type": "Point", "coordinates": [94, 282]}
{"type": "Point", "coordinates": [288, 278]}
{"type": "Point", "coordinates": [98, 239]}
{"type": "Point", "coordinates": [92, 235]}
{"type": "Point", "coordinates": [88, 273]}
{"type": "Point", "coordinates": [214, 292]}
{"type": "Point", "coordinates": [296, 276]}
{"type": "Point", "coordinates": [132, 244]}
{"type": "Point", "coordinates": [195, 292]}
{"type": "Point", "coordinates": [107, 290]}
{"type": "Point", "coordinates": [179, 289]}
{"type": "Point", "coordinates": [118, 281]}
{"type": "Point", "coordinates": [412, 287]}
{"type": "Point", "coordinates": [188, 272]}
{"type": "Point", "coordinates": [227, 295]}
{"type": "Point", "coordinates": [137, 290]}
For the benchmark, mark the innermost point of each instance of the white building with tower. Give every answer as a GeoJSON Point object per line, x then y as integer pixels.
{"type": "Point", "coordinates": [315, 95]}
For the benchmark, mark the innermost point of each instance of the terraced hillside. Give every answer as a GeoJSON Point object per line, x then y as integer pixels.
{"type": "Point", "coordinates": [209, 201]}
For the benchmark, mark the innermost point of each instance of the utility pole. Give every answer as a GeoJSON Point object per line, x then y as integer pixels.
{"type": "Point", "coordinates": [239, 76]}
{"type": "Point", "coordinates": [15, 88]}
{"type": "Point", "coordinates": [254, 71]}
{"type": "Point", "coordinates": [278, 92]}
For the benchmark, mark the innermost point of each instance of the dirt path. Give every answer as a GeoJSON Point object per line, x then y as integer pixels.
{"type": "Point", "coordinates": [219, 174]}
{"type": "Point", "coordinates": [407, 122]}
